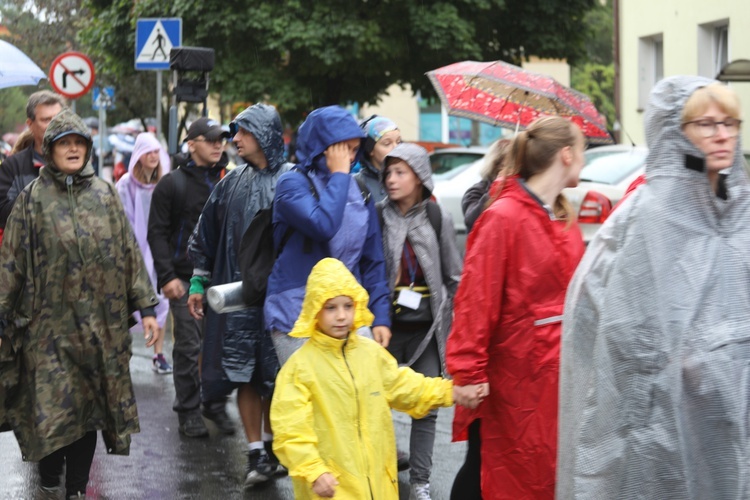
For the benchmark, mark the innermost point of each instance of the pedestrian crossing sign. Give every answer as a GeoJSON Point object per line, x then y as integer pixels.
{"type": "Point", "coordinates": [154, 38]}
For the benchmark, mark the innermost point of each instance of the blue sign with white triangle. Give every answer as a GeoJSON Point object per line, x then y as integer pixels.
{"type": "Point", "coordinates": [154, 38]}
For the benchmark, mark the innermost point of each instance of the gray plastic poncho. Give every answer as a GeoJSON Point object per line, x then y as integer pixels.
{"type": "Point", "coordinates": [655, 363]}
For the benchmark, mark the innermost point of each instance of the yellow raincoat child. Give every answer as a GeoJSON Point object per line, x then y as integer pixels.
{"type": "Point", "coordinates": [331, 411]}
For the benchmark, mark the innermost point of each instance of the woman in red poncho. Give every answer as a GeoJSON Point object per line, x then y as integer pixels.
{"type": "Point", "coordinates": [506, 330]}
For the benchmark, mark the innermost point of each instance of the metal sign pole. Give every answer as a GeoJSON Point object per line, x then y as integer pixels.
{"type": "Point", "coordinates": [158, 104]}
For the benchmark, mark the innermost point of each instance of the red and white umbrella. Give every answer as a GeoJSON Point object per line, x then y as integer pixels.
{"type": "Point", "coordinates": [505, 95]}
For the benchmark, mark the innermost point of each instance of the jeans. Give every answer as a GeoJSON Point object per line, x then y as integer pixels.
{"type": "Point", "coordinates": [78, 455]}
{"type": "Point", "coordinates": [422, 440]}
{"type": "Point", "coordinates": [188, 334]}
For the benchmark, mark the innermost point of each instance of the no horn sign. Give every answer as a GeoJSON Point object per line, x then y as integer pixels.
{"type": "Point", "coordinates": [72, 74]}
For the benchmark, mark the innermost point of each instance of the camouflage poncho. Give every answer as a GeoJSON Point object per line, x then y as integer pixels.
{"type": "Point", "coordinates": [70, 274]}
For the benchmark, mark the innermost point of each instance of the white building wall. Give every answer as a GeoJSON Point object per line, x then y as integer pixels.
{"type": "Point", "coordinates": [681, 26]}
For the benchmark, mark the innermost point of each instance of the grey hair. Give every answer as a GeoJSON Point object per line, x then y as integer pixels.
{"type": "Point", "coordinates": [42, 98]}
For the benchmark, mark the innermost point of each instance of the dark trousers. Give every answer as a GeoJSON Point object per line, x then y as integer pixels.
{"type": "Point", "coordinates": [403, 345]}
{"type": "Point", "coordinates": [468, 482]}
{"type": "Point", "coordinates": [78, 457]}
{"type": "Point", "coordinates": [188, 334]}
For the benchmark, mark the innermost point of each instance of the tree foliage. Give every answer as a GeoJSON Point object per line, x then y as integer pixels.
{"type": "Point", "coordinates": [301, 54]}
{"type": "Point", "coordinates": [595, 76]}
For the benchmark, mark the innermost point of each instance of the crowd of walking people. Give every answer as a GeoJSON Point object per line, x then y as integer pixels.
{"type": "Point", "coordinates": [610, 371]}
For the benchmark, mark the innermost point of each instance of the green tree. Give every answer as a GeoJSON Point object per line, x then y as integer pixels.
{"type": "Point", "coordinates": [301, 54]}
{"type": "Point", "coordinates": [12, 109]}
{"type": "Point", "coordinates": [595, 74]}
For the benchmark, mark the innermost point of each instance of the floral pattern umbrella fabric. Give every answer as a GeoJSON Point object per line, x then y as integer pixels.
{"type": "Point", "coordinates": [508, 96]}
{"type": "Point", "coordinates": [16, 68]}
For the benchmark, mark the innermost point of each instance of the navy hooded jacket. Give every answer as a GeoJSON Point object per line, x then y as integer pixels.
{"type": "Point", "coordinates": [229, 351]}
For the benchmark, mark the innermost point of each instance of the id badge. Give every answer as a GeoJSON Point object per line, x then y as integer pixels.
{"type": "Point", "coordinates": [409, 298]}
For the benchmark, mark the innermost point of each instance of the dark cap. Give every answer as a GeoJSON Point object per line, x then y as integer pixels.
{"type": "Point", "coordinates": [208, 128]}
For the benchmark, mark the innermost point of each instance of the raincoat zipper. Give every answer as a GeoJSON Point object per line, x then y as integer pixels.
{"type": "Point", "coordinates": [359, 419]}
{"type": "Point", "coordinates": [72, 206]}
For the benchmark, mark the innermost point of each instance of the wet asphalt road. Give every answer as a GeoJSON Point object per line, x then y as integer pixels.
{"type": "Point", "coordinates": [165, 465]}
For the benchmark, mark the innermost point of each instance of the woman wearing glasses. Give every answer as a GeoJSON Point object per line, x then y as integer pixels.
{"type": "Point", "coordinates": [655, 363]}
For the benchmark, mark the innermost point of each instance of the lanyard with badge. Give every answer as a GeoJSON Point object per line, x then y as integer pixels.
{"type": "Point", "coordinates": [407, 297]}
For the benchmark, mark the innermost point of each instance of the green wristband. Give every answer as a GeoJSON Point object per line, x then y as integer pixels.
{"type": "Point", "coordinates": [197, 284]}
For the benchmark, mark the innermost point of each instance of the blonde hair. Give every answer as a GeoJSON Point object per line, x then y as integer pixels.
{"type": "Point", "coordinates": [139, 174]}
{"type": "Point", "coordinates": [493, 160]}
{"type": "Point", "coordinates": [716, 93]}
{"type": "Point", "coordinates": [533, 151]}
{"type": "Point", "coordinates": [24, 140]}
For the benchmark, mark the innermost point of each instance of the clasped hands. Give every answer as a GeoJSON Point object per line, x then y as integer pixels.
{"type": "Point", "coordinates": [472, 395]}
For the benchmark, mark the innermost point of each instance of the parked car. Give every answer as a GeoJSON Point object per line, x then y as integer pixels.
{"type": "Point", "coordinates": [608, 172]}
{"type": "Point", "coordinates": [449, 162]}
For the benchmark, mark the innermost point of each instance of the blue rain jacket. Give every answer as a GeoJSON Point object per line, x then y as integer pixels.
{"type": "Point", "coordinates": [338, 223]}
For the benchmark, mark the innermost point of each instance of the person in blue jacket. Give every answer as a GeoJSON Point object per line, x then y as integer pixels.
{"type": "Point", "coordinates": [329, 217]}
{"type": "Point", "coordinates": [237, 353]}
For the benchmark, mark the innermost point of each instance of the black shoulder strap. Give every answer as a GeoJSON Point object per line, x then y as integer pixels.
{"type": "Point", "coordinates": [435, 217]}
{"type": "Point", "coordinates": [366, 194]}
{"type": "Point", "coordinates": [381, 220]}
{"type": "Point", "coordinates": [180, 195]}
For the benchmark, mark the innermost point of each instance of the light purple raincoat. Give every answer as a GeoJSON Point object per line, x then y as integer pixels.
{"type": "Point", "coordinates": [136, 199]}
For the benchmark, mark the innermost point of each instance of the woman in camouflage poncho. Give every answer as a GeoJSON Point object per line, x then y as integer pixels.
{"type": "Point", "coordinates": [70, 275]}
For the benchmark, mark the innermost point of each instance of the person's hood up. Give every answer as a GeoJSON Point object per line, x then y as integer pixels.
{"type": "Point", "coordinates": [322, 128]}
{"type": "Point", "coordinates": [418, 159]}
{"type": "Point", "coordinates": [329, 279]}
{"type": "Point", "coordinates": [264, 123]}
{"type": "Point", "coordinates": [145, 143]}
{"type": "Point", "coordinates": [670, 151]}
{"type": "Point", "coordinates": [65, 123]}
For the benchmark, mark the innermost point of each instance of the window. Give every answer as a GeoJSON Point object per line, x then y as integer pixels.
{"type": "Point", "coordinates": [713, 47]}
{"type": "Point", "coordinates": [650, 66]}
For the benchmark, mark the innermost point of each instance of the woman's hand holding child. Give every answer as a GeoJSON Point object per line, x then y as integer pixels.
{"type": "Point", "coordinates": [471, 396]}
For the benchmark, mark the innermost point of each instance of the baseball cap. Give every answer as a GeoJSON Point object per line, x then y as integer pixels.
{"type": "Point", "coordinates": [208, 128]}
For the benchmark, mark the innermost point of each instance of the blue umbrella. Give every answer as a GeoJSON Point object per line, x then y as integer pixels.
{"type": "Point", "coordinates": [16, 68]}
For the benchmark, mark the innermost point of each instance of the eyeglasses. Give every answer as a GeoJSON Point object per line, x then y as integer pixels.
{"type": "Point", "coordinates": [708, 128]}
{"type": "Point", "coordinates": [220, 141]}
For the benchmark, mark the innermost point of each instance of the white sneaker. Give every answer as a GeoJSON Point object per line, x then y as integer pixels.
{"type": "Point", "coordinates": [420, 491]}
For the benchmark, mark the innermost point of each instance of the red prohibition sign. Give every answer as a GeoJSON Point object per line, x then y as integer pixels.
{"type": "Point", "coordinates": [72, 74]}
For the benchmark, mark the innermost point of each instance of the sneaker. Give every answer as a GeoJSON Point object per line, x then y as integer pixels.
{"type": "Point", "coordinates": [276, 467]}
{"type": "Point", "coordinates": [258, 468]}
{"type": "Point", "coordinates": [193, 426]}
{"type": "Point", "coordinates": [160, 364]}
{"type": "Point", "coordinates": [420, 491]}
{"type": "Point", "coordinates": [402, 460]}
{"type": "Point", "coordinates": [221, 420]}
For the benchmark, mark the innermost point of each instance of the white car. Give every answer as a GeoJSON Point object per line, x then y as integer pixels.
{"type": "Point", "coordinates": [608, 172]}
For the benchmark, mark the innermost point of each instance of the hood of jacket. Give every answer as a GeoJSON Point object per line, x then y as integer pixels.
{"type": "Point", "coordinates": [670, 150]}
{"type": "Point", "coordinates": [264, 123]}
{"type": "Point", "coordinates": [145, 143]}
{"type": "Point", "coordinates": [418, 160]}
{"type": "Point", "coordinates": [328, 279]}
{"type": "Point", "coordinates": [322, 128]}
{"type": "Point", "coordinates": [66, 123]}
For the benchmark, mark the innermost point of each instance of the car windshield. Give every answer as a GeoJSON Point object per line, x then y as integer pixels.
{"type": "Point", "coordinates": [450, 162]}
{"type": "Point", "coordinates": [609, 168]}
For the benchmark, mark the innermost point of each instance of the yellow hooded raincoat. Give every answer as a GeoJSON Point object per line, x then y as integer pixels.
{"type": "Point", "coordinates": [331, 408]}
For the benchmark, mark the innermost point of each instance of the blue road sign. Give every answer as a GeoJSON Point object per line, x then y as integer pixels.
{"type": "Point", "coordinates": [106, 96]}
{"type": "Point", "coordinates": [154, 38]}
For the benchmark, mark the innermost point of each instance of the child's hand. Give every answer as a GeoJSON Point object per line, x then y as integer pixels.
{"type": "Point", "coordinates": [337, 158]}
{"type": "Point", "coordinates": [471, 396]}
{"type": "Point", "coordinates": [325, 485]}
